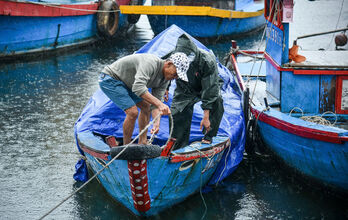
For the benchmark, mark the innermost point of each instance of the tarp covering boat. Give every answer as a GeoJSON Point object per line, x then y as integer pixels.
{"type": "Point", "coordinates": [102, 116]}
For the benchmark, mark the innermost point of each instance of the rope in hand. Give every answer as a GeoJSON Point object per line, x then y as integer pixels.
{"type": "Point", "coordinates": [113, 159]}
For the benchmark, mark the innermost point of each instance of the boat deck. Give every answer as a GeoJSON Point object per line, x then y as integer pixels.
{"type": "Point", "coordinates": [322, 60]}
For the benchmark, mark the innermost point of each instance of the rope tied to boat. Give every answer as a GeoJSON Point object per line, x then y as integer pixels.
{"type": "Point", "coordinates": [68, 8]}
{"type": "Point", "coordinates": [112, 160]}
{"type": "Point", "coordinates": [318, 119]}
{"type": "Point", "coordinates": [237, 50]}
{"type": "Point", "coordinates": [201, 180]}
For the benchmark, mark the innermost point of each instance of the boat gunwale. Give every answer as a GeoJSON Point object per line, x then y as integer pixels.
{"type": "Point", "coordinates": [173, 157]}
{"type": "Point", "coordinates": [301, 130]}
{"type": "Point", "coordinates": [188, 11]}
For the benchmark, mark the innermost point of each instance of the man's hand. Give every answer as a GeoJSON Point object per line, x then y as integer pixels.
{"type": "Point", "coordinates": [155, 127]}
{"type": "Point", "coordinates": [205, 121]}
{"type": "Point", "coordinates": [164, 109]}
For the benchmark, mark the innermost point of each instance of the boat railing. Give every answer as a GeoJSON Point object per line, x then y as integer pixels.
{"type": "Point", "coordinates": [320, 33]}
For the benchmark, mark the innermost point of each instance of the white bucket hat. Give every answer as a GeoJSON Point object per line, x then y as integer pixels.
{"type": "Point", "coordinates": [181, 63]}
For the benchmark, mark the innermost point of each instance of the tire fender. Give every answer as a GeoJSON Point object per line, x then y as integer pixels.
{"type": "Point", "coordinates": [107, 22]}
{"type": "Point", "coordinates": [136, 152]}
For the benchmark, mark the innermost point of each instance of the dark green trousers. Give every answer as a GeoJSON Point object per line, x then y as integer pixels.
{"type": "Point", "coordinates": [182, 123]}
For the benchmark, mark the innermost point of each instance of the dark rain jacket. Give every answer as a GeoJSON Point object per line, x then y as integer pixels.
{"type": "Point", "coordinates": [204, 81]}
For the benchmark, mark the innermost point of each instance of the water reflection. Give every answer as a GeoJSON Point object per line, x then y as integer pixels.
{"type": "Point", "coordinates": [39, 103]}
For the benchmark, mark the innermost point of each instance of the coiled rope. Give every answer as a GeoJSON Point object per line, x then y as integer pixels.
{"type": "Point", "coordinates": [113, 159]}
{"type": "Point", "coordinates": [316, 118]}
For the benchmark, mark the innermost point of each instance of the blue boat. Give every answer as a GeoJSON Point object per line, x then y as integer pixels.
{"type": "Point", "coordinates": [301, 108]}
{"type": "Point", "coordinates": [150, 178]}
{"type": "Point", "coordinates": [203, 19]}
{"type": "Point", "coordinates": [35, 26]}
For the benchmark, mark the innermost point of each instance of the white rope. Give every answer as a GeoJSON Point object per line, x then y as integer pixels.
{"type": "Point", "coordinates": [320, 119]}
{"type": "Point", "coordinates": [251, 55]}
{"type": "Point", "coordinates": [338, 20]}
{"type": "Point", "coordinates": [201, 194]}
{"type": "Point", "coordinates": [322, 115]}
{"type": "Point", "coordinates": [275, 4]}
{"type": "Point", "coordinates": [294, 109]}
{"type": "Point", "coordinates": [74, 9]}
{"type": "Point", "coordinates": [201, 180]}
{"type": "Point", "coordinates": [315, 118]}
{"type": "Point", "coordinates": [113, 159]}
{"type": "Point", "coordinates": [223, 170]}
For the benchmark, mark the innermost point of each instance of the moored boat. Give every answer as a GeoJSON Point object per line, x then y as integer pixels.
{"type": "Point", "coordinates": [203, 19]}
{"type": "Point", "coordinates": [31, 27]}
{"type": "Point", "coordinates": [150, 178]}
{"type": "Point", "coordinates": [300, 110]}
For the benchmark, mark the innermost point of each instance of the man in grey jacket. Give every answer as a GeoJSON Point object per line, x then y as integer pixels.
{"type": "Point", "coordinates": [126, 83]}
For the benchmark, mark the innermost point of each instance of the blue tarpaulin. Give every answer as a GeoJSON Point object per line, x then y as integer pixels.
{"type": "Point", "coordinates": [102, 116]}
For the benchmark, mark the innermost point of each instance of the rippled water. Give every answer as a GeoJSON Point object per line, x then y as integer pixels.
{"type": "Point", "coordinates": [40, 101]}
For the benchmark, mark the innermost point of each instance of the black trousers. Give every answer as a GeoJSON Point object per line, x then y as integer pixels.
{"type": "Point", "coordinates": [182, 123]}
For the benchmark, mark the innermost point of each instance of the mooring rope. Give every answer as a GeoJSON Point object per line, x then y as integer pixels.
{"type": "Point", "coordinates": [201, 180]}
{"type": "Point", "coordinates": [275, 5]}
{"type": "Point", "coordinates": [113, 159]}
{"type": "Point", "coordinates": [225, 165]}
{"type": "Point", "coordinates": [68, 8]}
{"type": "Point", "coordinates": [201, 194]}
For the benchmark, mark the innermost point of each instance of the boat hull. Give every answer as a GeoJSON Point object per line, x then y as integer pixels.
{"type": "Point", "coordinates": [165, 181]}
{"type": "Point", "coordinates": [29, 28]}
{"type": "Point", "coordinates": [207, 26]}
{"type": "Point", "coordinates": [314, 153]}
{"type": "Point", "coordinates": [21, 35]}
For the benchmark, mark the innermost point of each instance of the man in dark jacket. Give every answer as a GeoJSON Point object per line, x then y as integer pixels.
{"type": "Point", "coordinates": [202, 84]}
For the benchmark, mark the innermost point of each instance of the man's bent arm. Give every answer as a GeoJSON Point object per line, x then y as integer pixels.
{"type": "Point", "coordinates": [164, 109]}
{"type": "Point", "coordinates": [155, 127]}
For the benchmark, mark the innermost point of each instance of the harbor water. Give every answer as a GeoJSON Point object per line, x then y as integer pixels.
{"type": "Point", "coordinates": [40, 100]}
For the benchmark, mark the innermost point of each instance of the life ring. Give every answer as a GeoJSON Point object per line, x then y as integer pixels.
{"type": "Point", "coordinates": [107, 22]}
{"type": "Point", "coordinates": [136, 152]}
{"type": "Point", "coordinates": [134, 18]}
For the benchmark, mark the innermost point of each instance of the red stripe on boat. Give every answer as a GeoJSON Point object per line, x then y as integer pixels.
{"type": "Point", "coordinates": [199, 154]}
{"type": "Point", "coordinates": [304, 71]}
{"type": "Point", "coordinates": [239, 76]}
{"type": "Point", "coordinates": [320, 72]}
{"type": "Point", "coordinates": [300, 130]}
{"type": "Point", "coordinates": [103, 156]}
{"type": "Point", "coordinates": [137, 170]}
{"type": "Point", "coordinates": [11, 8]}
{"type": "Point", "coordinates": [166, 150]}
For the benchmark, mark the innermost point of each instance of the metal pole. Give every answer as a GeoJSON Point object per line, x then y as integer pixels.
{"type": "Point", "coordinates": [321, 33]}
